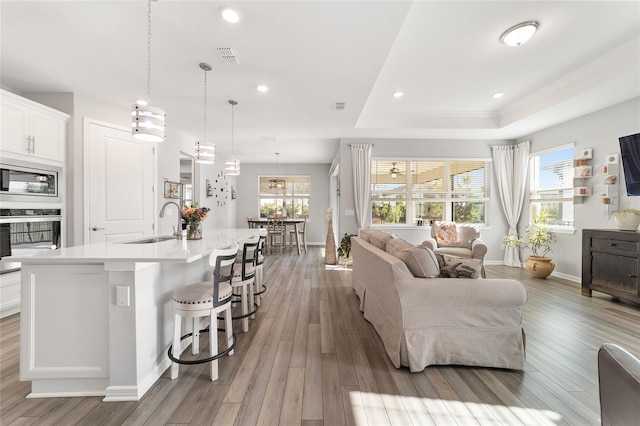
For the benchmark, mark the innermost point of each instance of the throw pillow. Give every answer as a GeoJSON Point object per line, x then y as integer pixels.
{"type": "Point", "coordinates": [449, 271]}
{"type": "Point", "coordinates": [446, 233]}
{"type": "Point", "coordinates": [464, 267]}
{"type": "Point", "coordinates": [421, 261]}
{"type": "Point", "coordinates": [396, 245]}
{"type": "Point", "coordinates": [380, 239]}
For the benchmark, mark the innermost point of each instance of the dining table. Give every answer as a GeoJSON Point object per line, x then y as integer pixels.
{"type": "Point", "coordinates": [261, 222]}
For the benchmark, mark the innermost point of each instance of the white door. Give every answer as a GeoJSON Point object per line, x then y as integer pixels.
{"type": "Point", "coordinates": [119, 179]}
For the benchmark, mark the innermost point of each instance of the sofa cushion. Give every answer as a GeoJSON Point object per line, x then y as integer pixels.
{"type": "Point", "coordinates": [380, 239]}
{"type": "Point", "coordinates": [446, 233]}
{"type": "Point", "coordinates": [365, 233]}
{"type": "Point", "coordinates": [459, 267]}
{"type": "Point", "coordinates": [395, 245]}
{"type": "Point", "coordinates": [421, 261]}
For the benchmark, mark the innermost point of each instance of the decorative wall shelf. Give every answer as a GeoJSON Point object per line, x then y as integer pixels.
{"type": "Point", "coordinates": [582, 173]}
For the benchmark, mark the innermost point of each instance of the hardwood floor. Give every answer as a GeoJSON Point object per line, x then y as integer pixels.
{"type": "Point", "coordinates": [310, 358]}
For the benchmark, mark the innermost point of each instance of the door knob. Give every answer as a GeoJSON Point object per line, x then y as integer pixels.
{"type": "Point", "coordinates": [95, 228]}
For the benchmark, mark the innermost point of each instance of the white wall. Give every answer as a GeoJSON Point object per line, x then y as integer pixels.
{"type": "Point", "coordinates": [600, 131]}
{"type": "Point", "coordinates": [247, 190]}
{"type": "Point", "coordinates": [496, 225]}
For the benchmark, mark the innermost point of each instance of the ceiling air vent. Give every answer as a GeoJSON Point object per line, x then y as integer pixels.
{"type": "Point", "coordinates": [339, 106]}
{"type": "Point", "coordinates": [227, 55]}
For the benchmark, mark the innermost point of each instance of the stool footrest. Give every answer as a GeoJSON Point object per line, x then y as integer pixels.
{"type": "Point", "coordinates": [202, 360]}
{"type": "Point", "coordinates": [264, 289]}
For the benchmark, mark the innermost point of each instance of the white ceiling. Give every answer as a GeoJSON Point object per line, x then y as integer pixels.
{"type": "Point", "coordinates": [444, 55]}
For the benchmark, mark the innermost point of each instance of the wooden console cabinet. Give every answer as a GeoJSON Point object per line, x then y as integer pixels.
{"type": "Point", "coordinates": [611, 263]}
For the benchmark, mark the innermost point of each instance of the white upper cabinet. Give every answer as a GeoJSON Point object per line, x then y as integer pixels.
{"type": "Point", "coordinates": [31, 131]}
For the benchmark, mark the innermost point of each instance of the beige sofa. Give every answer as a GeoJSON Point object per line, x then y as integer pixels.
{"type": "Point", "coordinates": [436, 321]}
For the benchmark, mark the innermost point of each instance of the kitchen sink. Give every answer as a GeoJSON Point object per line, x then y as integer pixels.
{"type": "Point", "coordinates": [151, 240]}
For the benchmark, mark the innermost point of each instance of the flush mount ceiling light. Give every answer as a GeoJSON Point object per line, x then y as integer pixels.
{"type": "Point", "coordinates": [277, 183]}
{"type": "Point", "coordinates": [205, 151]}
{"type": "Point", "coordinates": [262, 88]}
{"type": "Point", "coordinates": [398, 94]}
{"type": "Point", "coordinates": [232, 166]}
{"type": "Point", "coordinates": [148, 122]}
{"type": "Point", "coordinates": [497, 95]}
{"type": "Point", "coordinates": [394, 171]}
{"type": "Point", "coordinates": [230, 15]}
{"type": "Point", "coordinates": [519, 34]}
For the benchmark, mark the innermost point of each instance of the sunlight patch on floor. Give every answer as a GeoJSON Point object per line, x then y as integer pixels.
{"type": "Point", "coordinates": [370, 408]}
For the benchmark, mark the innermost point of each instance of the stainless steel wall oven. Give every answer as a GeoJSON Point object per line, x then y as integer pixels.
{"type": "Point", "coordinates": [27, 231]}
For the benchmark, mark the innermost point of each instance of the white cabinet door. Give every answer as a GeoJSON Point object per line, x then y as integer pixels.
{"type": "Point", "coordinates": [48, 136]}
{"type": "Point", "coordinates": [15, 128]}
{"type": "Point", "coordinates": [31, 131]}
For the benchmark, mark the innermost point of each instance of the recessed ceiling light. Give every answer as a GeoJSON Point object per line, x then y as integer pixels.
{"type": "Point", "coordinates": [230, 15]}
{"type": "Point", "coordinates": [398, 94]}
{"type": "Point", "coordinates": [519, 34]}
{"type": "Point", "coordinates": [262, 88]}
{"type": "Point", "coordinates": [498, 95]}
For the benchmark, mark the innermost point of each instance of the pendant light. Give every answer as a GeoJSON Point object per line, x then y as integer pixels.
{"type": "Point", "coordinates": [205, 151]}
{"type": "Point", "coordinates": [148, 122]}
{"type": "Point", "coordinates": [277, 183]}
{"type": "Point", "coordinates": [232, 166]}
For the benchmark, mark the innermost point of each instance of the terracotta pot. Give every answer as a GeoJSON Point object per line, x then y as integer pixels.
{"type": "Point", "coordinates": [540, 267]}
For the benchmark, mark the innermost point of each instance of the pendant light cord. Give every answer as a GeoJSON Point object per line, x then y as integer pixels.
{"type": "Point", "coordinates": [205, 104]}
{"type": "Point", "coordinates": [149, 51]}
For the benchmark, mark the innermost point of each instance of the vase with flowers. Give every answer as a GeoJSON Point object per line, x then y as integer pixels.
{"type": "Point", "coordinates": [193, 216]}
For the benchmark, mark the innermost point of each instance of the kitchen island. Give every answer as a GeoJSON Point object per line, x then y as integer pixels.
{"type": "Point", "coordinates": [97, 320]}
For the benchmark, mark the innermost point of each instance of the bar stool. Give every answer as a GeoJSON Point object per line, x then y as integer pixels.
{"type": "Point", "coordinates": [205, 299]}
{"type": "Point", "coordinates": [244, 272]}
{"type": "Point", "coordinates": [259, 286]}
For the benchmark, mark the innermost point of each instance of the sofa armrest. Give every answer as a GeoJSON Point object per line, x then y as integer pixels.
{"type": "Point", "coordinates": [478, 249]}
{"type": "Point", "coordinates": [430, 243]}
{"type": "Point", "coordinates": [619, 382]}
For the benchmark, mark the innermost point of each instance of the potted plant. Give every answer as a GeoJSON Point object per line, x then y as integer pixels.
{"type": "Point", "coordinates": [344, 251]}
{"type": "Point", "coordinates": [537, 239]}
{"type": "Point", "coordinates": [627, 219]}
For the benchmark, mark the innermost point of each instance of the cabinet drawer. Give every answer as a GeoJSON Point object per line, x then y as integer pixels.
{"type": "Point", "coordinates": [618, 245]}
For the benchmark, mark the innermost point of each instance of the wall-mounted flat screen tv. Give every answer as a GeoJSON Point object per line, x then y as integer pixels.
{"type": "Point", "coordinates": [630, 153]}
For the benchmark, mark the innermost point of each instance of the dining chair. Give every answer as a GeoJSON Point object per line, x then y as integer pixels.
{"type": "Point", "coordinates": [205, 300]}
{"type": "Point", "coordinates": [301, 236]}
{"type": "Point", "coordinates": [276, 231]}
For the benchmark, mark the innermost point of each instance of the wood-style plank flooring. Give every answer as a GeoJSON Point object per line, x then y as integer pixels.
{"type": "Point", "coordinates": [310, 358]}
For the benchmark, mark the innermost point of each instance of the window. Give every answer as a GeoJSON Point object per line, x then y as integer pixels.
{"type": "Point", "coordinates": [403, 191]}
{"type": "Point", "coordinates": [551, 187]}
{"type": "Point", "coordinates": [292, 201]}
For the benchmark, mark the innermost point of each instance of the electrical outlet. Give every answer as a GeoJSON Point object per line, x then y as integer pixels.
{"type": "Point", "coordinates": [122, 295]}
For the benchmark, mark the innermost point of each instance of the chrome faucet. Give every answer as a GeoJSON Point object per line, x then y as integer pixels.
{"type": "Point", "coordinates": [177, 232]}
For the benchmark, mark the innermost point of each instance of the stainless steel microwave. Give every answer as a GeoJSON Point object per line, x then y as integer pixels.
{"type": "Point", "coordinates": [23, 181]}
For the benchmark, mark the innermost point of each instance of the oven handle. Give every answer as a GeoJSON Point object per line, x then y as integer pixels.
{"type": "Point", "coordinates": [20, 219]}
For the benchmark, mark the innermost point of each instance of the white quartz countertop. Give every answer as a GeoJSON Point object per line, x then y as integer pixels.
{"type": "Point", "coordinates": [169, 251]}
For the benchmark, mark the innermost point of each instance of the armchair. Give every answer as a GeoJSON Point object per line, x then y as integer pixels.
{"type": "Point", "coordinates": [619, 385]}
{"type": "Point", "coordinates": [460, 240]}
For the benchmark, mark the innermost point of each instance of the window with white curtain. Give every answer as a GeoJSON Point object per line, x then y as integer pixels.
{"type": "Point", "coordinates": [551, 187]}
{"type": "Point", "coordinates": [291, 201]}
{"type": "Point", "coordinates": [405, 191]}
